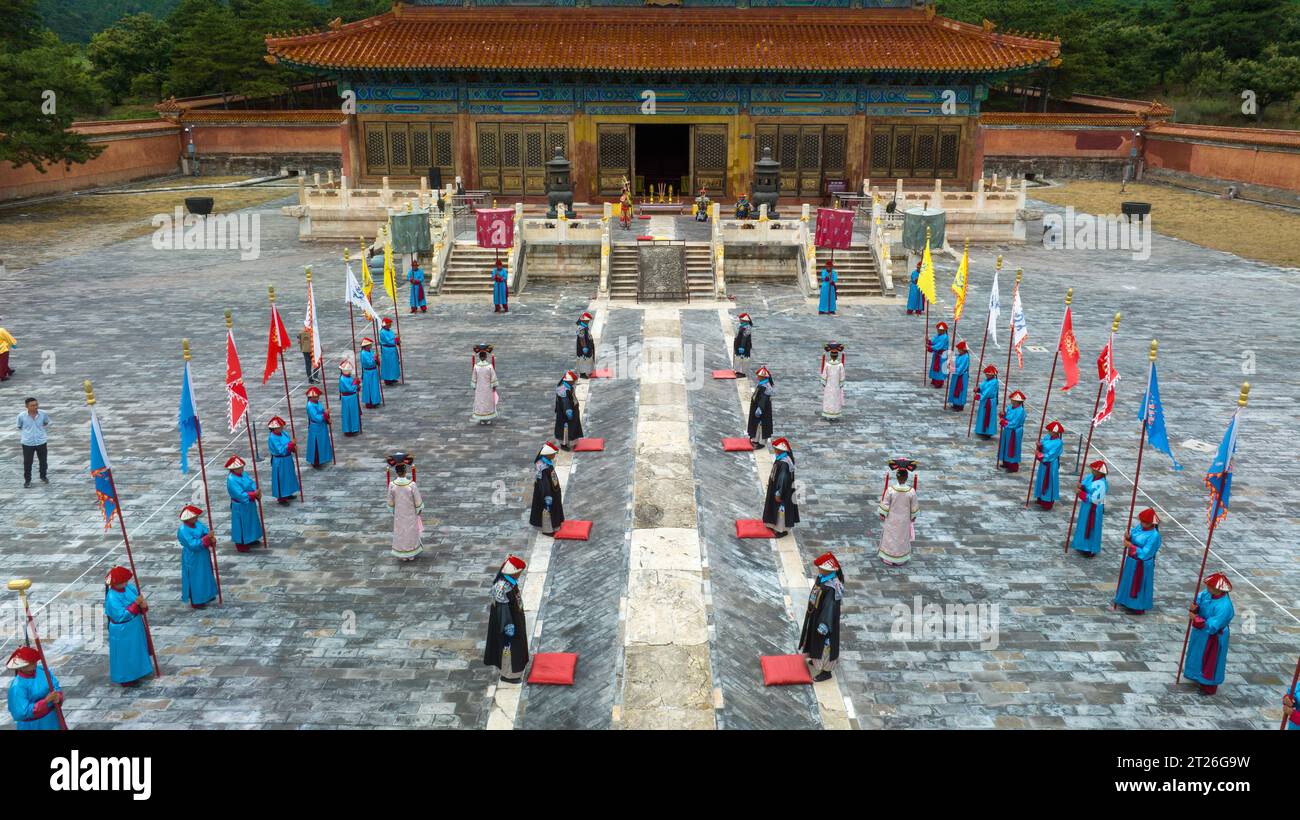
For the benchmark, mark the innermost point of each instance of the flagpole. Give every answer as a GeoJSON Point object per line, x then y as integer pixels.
{"type": "Point", "coordinates": [252, 445]}
{"type": "Point", "coordinates": [356, 363]}
{"type": "Point", "coordinates": [952, 346]}
{"type": "Point", "coordinates": [121, 521]}
{"type": "Point", "coordinates": [288, 402]}
{"type": "Point", "coordinates": [397, 313]}
{"type": "Point", "coordinates": [1092, 425]}
{"type": "Point", "coordinates": [1047, 398]}
{"type": "Point", "coordinates": [1290, 691]}
{"type": "Point", "coordinates": [324, 385]}
{"type": "Point", "coordinates": [1209, 536]}
{"type": "Point", "coordinates": [21, 585]}
{"type": "Point", "coordinates": [203, 471]}
{"type": "Point", "coordinates": [374, 317]}
{"type": "Point", "coordinates": [1011, 338]}
{"type": "Point", "coordinates": [979, 371]}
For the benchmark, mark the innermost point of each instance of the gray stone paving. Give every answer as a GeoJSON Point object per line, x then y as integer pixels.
{"type": "Point", "coordinates": [580, 611]}
{"type": "Point", "coordinates": [324, 629]}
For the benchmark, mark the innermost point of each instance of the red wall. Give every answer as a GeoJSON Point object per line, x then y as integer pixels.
{"type": "Point", "coordinates": [1055, 142]}
{"type": "Point", "coordinates": [133, 149]}
{"type": "Point", "coordinates": [1256, 165]}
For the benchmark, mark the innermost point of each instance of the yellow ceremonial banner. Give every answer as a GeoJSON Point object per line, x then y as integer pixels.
{"type": "Point", "coordinates": [390, 277]}
{"type": "Point", "coordinates": [959, 285]}
{"type": "Point", "coordinates": [367, 281]}
{"type": "Point", "coordinates": [926, 281]}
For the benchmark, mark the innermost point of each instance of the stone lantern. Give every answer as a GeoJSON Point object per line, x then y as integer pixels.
{"type": "Point", "coordinates": [559, 187]}
{"type": "Point", "coordinates": [767, 183]}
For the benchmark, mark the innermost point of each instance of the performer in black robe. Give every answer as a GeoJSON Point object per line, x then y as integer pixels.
{"type": "Point", "coordinates": [568, 415]}
{"type": "Point", "coordinates": [548, 506]}
{"type": "Point", "coordinates": [819, 639]}
{"type": "Point", "coordinates": [507, 636]}
{"type": "Point", "coordinates": [780, 512]}
{"type": "Point", "coordinates": [742, 347]}
{"type": "Point", "coordinates": [760, 408]}
{"type": "Point", "coordinates": [584, 348]}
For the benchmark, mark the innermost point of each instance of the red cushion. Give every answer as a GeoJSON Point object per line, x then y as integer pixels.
{"type": "Point", "coordinates": [588, 445]}
{"type": "Point", "coordinates": [602, 373]}
{"type": "Point", "coordinates": [750, 528]}
{"type": "Point", "coordinates": [781, 670]}
{"type": "Point", "coordinates": [555, 668]}
{"type": "Point", "coordinates": [737, 445]}
{"type": "Point", "coordinates": [724, 374]}
{"type": "Point", "coordinates": [573, 530]}
{"type": "Point", "coordinates": [644, 238]}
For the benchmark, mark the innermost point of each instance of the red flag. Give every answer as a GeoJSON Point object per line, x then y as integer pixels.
{"type": "Point", "coordinates": [277, 341]}
{"type": "Point", "coordinates": [1069, 348]}
{"type": "Point", "coordinates": [1106, 373]}
{"type": "Point", "coordinates": [235, 390]}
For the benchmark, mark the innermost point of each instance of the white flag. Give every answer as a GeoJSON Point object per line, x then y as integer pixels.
{"type": "Point", "coordinates": [309, 323]}
{"type": "Point", "coordinates": [356, 296]}
{"type": "Point", "coordinates": [995, 309]}
{"type": "Point", "coordinates": [1019, 331]}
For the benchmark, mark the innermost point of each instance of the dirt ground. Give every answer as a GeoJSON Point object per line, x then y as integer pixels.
{"type": "Point", "coordinates": [43, 231]}
{"type": "Point", "coordinates": [1252, 231]}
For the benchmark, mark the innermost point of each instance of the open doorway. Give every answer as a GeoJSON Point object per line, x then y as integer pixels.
{"type": "Point", "coordinates": [662, 157]}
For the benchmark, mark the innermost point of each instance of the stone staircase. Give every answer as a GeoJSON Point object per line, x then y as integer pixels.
{"type": "Point", "coordinates": [469, 270]}
{"type": "Point", "coordinates": [624, 275]}
{"type": "Point", "coordinates": [856, 269]}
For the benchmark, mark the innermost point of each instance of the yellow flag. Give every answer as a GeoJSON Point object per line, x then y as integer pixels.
{"type": "Point", "coordinates": [390, 277]}
{"type": "Point", "coordinates": [367, 281]}
{"type": "Point", "coordinates": [959, 285]}
{"type": "Point", "coordinates": [926, 281]}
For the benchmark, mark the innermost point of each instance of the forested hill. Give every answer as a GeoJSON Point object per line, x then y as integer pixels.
{"type": "Point", "coordinates": [76, 21]}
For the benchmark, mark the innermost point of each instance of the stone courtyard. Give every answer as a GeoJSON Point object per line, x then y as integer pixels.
{"type": "Point", "coordinates": [668, 611]}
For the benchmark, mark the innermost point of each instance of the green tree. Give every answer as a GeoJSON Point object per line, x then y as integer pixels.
{"type": "Point", "coordinates": [208, 56]}
{"type": "Point", "coordinates": [131, 57]}
{"type": "Point", "coordinates": [1242, 28]}
{"type": "Point", "coordinates": [45, 85]}
{"type": "Point", "coordinates": [1272, 78]}
{"type": "Point", "coordinates": [351, 10]}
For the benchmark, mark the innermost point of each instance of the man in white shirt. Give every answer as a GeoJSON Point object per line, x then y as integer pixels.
{"type": "Point", "coordinates": [31, 425]}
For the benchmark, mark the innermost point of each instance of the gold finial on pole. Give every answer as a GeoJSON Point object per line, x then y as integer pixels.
{"type": "Point", "coordinates": [90, 393]}
{"type": "Point", "coordinates": [1154, 345]}
{"type": "Point", "coordinates": [1019, 273]}
{"type": "Point", "coordinates": [1069, 296]}
{"type": "Point", "coordinates": [270, 293]}
{"type": "Point", "coordinates": [1114, 326]}
{"type": "Point", "coordinates": [999, 261]}
{"type": "Point", "coordinates": [308, 269]}
{"type": "Point", "coordinates": [230, 323]}
{"type": "Point", "coordinates": [1245, 393]}
{"type": "Point", "coordinates": [347, 255]}
{"type": "Point", "coordinates": [20, 584]}
{"type": "Point", "coordinates": [185, 349]}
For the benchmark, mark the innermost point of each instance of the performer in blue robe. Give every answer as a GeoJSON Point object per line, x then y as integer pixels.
{"type": "Point", "coordinates": [1092, 498]}
{"type": "Point", "coordinates": [284, 478]}
{"type": "Point", "coordinates": [1289, 710]}
{"type": "Point", "coordinates": [915, 299]}
{"type": "Point", "coordinates": [1137, 581]}
{"type": "Point", "coordinates": [936, 347]}
{"type": "Point", "coordinates": [500, 289]}
{"type": "Point", "coordinates": [416, 278]}
{"type": "Point", "coordinates": [390, 364]}
{"type": "Point", "coordinates": [349, 399]}
{"type": "Point", "coordinates": [128, 643]}
{"type": "Point", "coordinates": [320, 451]}
{"type": "Point", "coordinates": [1013, 433]}
{"type": "Point", "coordinates": [1207, 649]}
{"type": "Point", "coordinates": [371, 391]}
{"type": "Point", "coordinates": [1047, 486]}
{"type": "Point", "coordinates": [986, 417]}
{"type": "Point", "coordinates": [31, 703]}
{"type": "Point", "coordinates": [245, 523]}
{"type": "Point", "coordinates": [198, 584]}
{"type": "Point", "coordinates": [830, 279]}
{"type": "Point", "coordinates": [957, 380]}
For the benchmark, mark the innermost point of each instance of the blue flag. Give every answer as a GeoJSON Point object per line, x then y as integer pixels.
{"type": "Point", "coordinates": [1219, 477]}
{"type": "Point", "coordinates": [1153, 413]}
{"type": "Point", "coordinates": [187, 420]}
{"type": "Point", "coordinates": [101, 471]}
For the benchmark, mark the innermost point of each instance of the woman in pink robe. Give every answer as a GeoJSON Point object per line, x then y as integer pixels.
{"type": "Point", "coordinates": [408, 525]}
{"type": "Point", "coordinates": [897, 511]}
{"type": "Point", "coordinates": [483, 380]}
